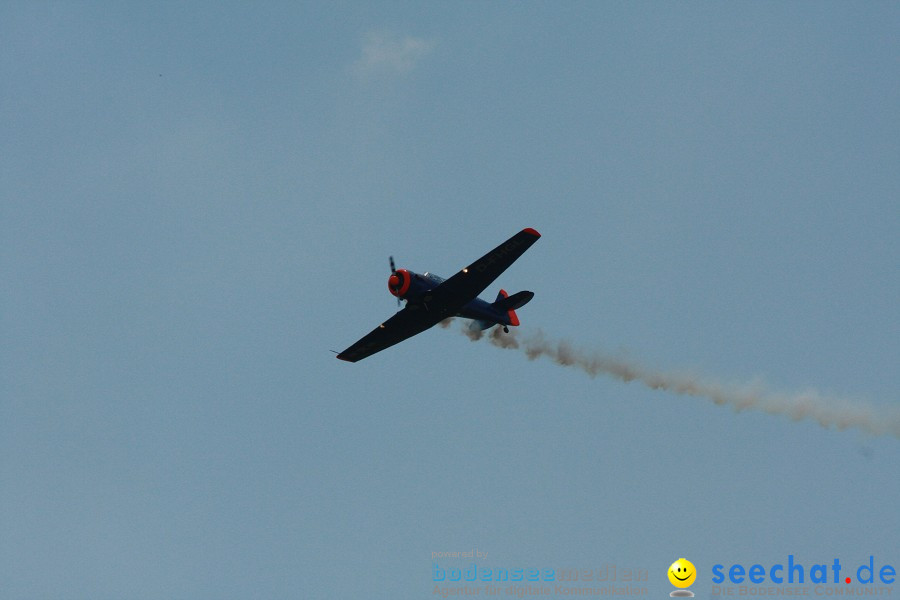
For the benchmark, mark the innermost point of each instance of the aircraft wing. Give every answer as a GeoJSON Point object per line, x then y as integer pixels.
{"type": "Point", "coordinates": [405, 324]}
{"type": "Point", "coordinates": [465, 285]}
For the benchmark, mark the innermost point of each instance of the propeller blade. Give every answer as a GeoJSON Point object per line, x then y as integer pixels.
{"type": "Point", "coordinates": [394, 270]}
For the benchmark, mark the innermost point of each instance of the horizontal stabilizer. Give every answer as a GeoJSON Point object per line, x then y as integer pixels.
{"type": "Point", "coordinates": [517, 300]}
{"type": "Point", "coordinates": [509, 304]}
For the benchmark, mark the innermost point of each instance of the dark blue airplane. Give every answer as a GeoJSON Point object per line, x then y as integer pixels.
{"type": "Point", "coordinates": [431, 299]}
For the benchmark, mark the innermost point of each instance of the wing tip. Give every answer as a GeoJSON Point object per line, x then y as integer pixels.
{"type": "Point", "coordinates": [343, 357]}
{"type": "Point", "coordinates": [532, 231]}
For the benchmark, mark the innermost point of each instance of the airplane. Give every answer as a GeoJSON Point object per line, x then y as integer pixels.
{"type": "Point", "coordinates": [431, 299]}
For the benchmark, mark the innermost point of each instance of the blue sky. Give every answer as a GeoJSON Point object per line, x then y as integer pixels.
{"type": "Point", "coordinates": [198, 204]}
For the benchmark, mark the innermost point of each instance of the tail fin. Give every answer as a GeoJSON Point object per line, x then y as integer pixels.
{"type": "Point", "coordinates": [509, 303]}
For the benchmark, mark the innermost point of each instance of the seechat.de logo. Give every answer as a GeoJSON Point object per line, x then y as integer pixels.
{"type": "Point", "coordinates": [794, 572]}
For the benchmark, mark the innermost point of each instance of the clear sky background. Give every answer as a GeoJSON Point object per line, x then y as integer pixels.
{"type": "Point", "coordinates": [198, 202]}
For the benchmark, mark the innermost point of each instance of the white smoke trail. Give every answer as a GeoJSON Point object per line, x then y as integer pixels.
{"type": "Point", "coordinates": [828, 412]}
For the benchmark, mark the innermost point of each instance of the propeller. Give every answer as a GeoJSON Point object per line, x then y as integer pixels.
{"type": "Point", "coordinates": [394, 270]}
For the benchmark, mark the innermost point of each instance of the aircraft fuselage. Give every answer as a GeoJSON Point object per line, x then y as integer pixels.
{"type": "Point", "coordinates": [417, 297]}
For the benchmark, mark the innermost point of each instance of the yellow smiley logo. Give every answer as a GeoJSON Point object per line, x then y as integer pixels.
{"type": "Point", "coordinates": [682, 573]}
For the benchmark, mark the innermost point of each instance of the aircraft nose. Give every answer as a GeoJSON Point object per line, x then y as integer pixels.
{"type": "Point", "coordinates": [398, 283]}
